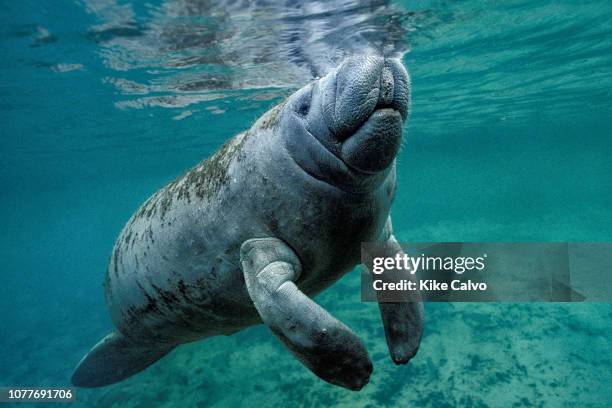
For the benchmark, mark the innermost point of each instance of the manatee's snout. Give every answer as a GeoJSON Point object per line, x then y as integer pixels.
{"type": "Point", "coordinates": [365, 102]}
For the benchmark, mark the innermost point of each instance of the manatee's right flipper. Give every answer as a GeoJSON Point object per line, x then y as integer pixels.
{"type": "Point", "coordinates": [321, 342]}
{"type": "Point", "coordinates": [116, 358]}
{"type": "Point", "coordinates": [403, 321]}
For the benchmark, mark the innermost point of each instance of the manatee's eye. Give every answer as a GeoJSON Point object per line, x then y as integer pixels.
{"type": "Point", "coordinates": [303, 103]}
{"type": "Point", "coordinates": [303, 106]}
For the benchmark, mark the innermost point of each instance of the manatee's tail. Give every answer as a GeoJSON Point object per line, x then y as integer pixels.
{"type": "Point", "coordinates": [116, 358]}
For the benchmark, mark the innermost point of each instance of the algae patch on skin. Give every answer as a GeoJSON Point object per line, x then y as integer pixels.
{"type": "Point", "coordinates": [270, 118]}
{"type": "Point", "coordinates": [204, 180]}
{"type": "Point", "coordinates": [207, 177]}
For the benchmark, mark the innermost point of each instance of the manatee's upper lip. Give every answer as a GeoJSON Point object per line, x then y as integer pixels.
{"type": "Point", "coordinates": [377, 108]}
{"type": "Point", "coordinates": [346, 166]}
{"type": "Point", "coordinates": [331, 151]}
{"type": "Point", "coordinates": [342, 165]}
{"type": "Point", "coordinates": [340, 176]}
{"type": "Point", "coordinates": [383, 128]}
{"type": "Point", "coordinates": [324, 177]}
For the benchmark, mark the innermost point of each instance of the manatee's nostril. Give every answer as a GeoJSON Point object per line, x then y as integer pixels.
{"type": "Point", "coordinates": [386, 87]}
{"type": "Point", "coordinates": [351, 93]}
{"type": "Point", "coordinates": [359, 87]}
{"type": "Point", "coordinates": [401, 86]}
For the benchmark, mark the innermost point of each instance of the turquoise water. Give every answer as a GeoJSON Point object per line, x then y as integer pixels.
{"type": "Point", "coordinates": [103, 102]}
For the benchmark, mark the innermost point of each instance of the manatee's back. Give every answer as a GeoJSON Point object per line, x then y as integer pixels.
{"type": "Point", "coordinates": [173, 276]}
{"type": "Point", "coordinates": [175, 259]}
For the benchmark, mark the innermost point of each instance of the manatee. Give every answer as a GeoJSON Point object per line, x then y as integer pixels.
{"type": "Point", "coordinates": [271, 219]}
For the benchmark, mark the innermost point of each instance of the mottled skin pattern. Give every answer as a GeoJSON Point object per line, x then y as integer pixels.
{"type": "Point", "coordinates": [175, 269]}
{"type": "Point", "coordinates": [316, 172]}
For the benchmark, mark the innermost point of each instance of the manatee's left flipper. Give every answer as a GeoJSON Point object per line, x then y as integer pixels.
{"type": "Point", "coordinates": [116, 358]}
{"type": "Point", "coordinates": [321, 342]}
{"type": "Point", "coordinates": [403, 321]}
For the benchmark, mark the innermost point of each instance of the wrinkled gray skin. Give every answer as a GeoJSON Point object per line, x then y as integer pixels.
{"type": "Point", "coordinates": [273, 218]}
